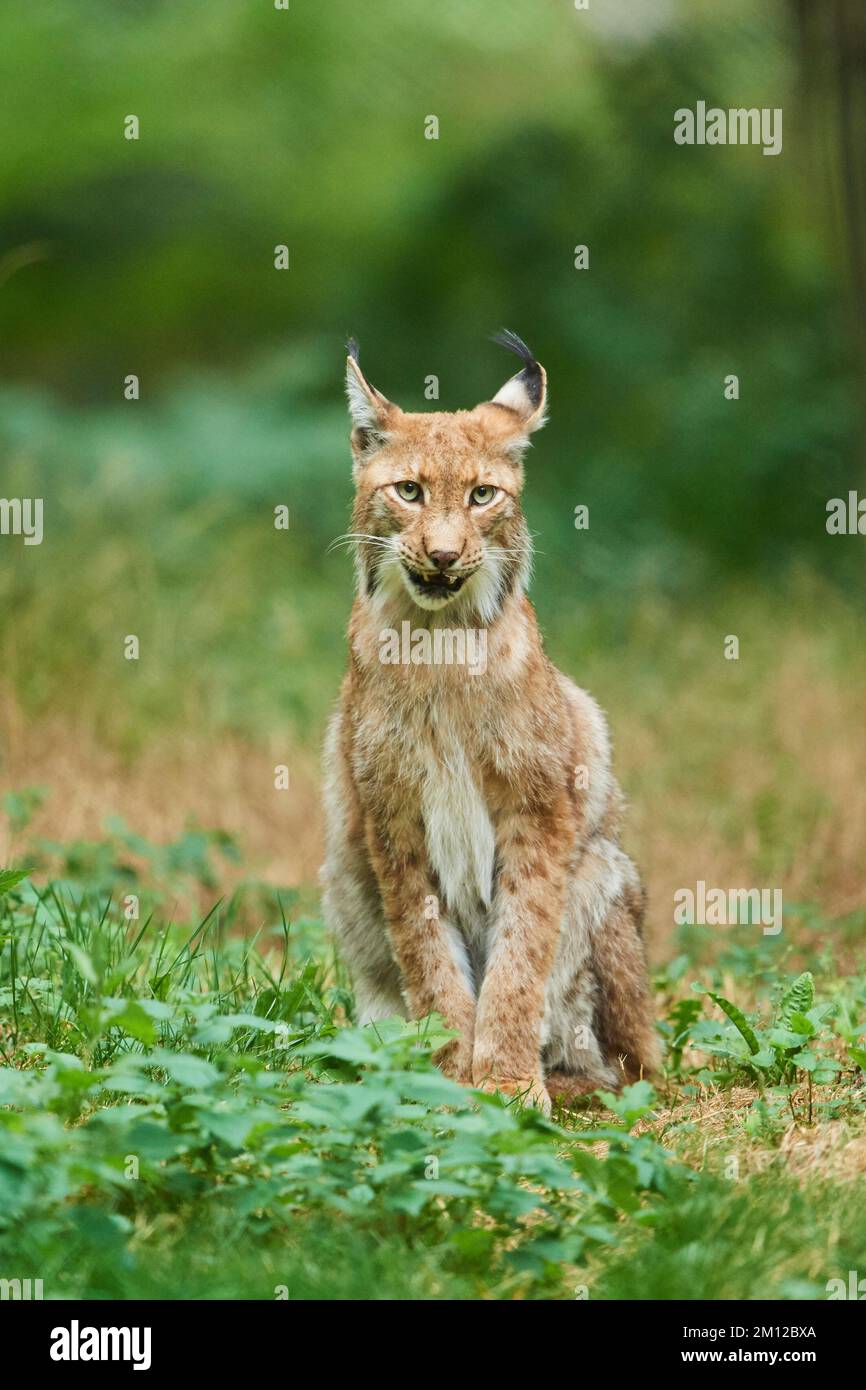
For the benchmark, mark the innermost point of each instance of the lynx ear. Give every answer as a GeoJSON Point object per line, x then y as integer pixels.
{"type": "Point", "coordinates": [370, 411]}
{"type": "Point", "coordinates": [525, 393]}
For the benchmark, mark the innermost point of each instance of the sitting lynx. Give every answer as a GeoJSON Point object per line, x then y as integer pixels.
{"type": "Point", "coordinates": [472, 860]}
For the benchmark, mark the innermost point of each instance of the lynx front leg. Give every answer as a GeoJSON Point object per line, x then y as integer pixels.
{"type": "Point", "coordinates": [533, 853]}
{"type": "Point", "coordinates": [424, 947]}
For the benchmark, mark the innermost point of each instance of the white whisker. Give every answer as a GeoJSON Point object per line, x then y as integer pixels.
{"type": "Point", "coordinates": [352, 538]}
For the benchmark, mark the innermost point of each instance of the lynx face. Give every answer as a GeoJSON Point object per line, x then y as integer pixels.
{"type": "Point", "coordinates": [437, 513]}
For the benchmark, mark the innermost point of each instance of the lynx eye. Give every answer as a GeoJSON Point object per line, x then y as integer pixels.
{"type": "Point", "coordinates": [481, 495]}
{"type": "Point", "coordinates": [408, 491]}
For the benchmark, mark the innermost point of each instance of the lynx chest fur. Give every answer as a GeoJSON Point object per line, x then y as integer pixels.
{"type": "Point", "coordinates": [436, 759]}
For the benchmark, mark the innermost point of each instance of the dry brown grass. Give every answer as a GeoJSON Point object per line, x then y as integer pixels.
{"type": "Point", "coordinates": [217, 782]}
{"type": "Point", "coordinates": [743, 774]}
{"type": "Point", "coordinates": [751, 784]}
{"type": "Point", "coordinates": [708, 1129]}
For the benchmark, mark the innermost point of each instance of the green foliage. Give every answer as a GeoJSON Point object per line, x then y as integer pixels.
{"type": "Point", "coordinates": [150, 1070]}
{"type": "Point", "coordinates": [739, 1021]}
{"type": "Point", "coordinates": [10, 878]}
{"type": "Point", "coordinates": [797, 999]}
{"type": "Point", "coordinates": [171, 1091]}
{"type": "Point", "coordinates": [798, 1043]}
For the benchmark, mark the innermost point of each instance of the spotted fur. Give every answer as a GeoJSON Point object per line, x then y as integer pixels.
{"type": "Point", "coordinates": [472, 862]}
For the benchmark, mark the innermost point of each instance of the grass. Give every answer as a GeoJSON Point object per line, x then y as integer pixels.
{"type": "Point", "coordinates": [189, 1112]}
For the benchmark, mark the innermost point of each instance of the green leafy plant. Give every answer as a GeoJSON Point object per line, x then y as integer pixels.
{"type": "Point", "coordinates": [228, 1078]}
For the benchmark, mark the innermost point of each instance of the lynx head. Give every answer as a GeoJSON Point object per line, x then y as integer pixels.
{"type": "Point", "coordinates": [437, 517]}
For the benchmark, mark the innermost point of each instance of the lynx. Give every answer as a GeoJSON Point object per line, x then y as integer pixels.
{"type": "Point", "coordinates": [472, 860]}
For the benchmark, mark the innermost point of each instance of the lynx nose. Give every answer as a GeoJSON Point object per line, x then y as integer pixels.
{"type": "Point", "coordinates": [443, 558]}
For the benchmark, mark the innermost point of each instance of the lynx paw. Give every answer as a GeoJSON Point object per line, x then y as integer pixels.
{"type": "Point", "coordinates": [454, 1060]}
{"type": "Point", "coordinates": [571, 1090]}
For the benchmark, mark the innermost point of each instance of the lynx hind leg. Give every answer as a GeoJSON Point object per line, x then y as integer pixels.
{"type": "Point", "coordinates": [572, 1054]}
{"type": "Point", "coordinates": [624, 1019]}
{"type": "Point", "coordinates": [599, 1030]}
{"type": "Point", "coordinates": [351, 902]}
{"type": "Point", "coordinates": [573, 1057]}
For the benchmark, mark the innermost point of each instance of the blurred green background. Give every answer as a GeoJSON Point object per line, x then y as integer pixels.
{"type": "Point", "coordinates": [305, 127]}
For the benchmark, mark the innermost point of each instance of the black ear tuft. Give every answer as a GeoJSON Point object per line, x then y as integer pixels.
{"type": "Point", "coordinates": [514, 344]}
{"type": "Point", "coordinates": [352, 348]}
{"type": "Point", "coordinates": [531, 378]}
